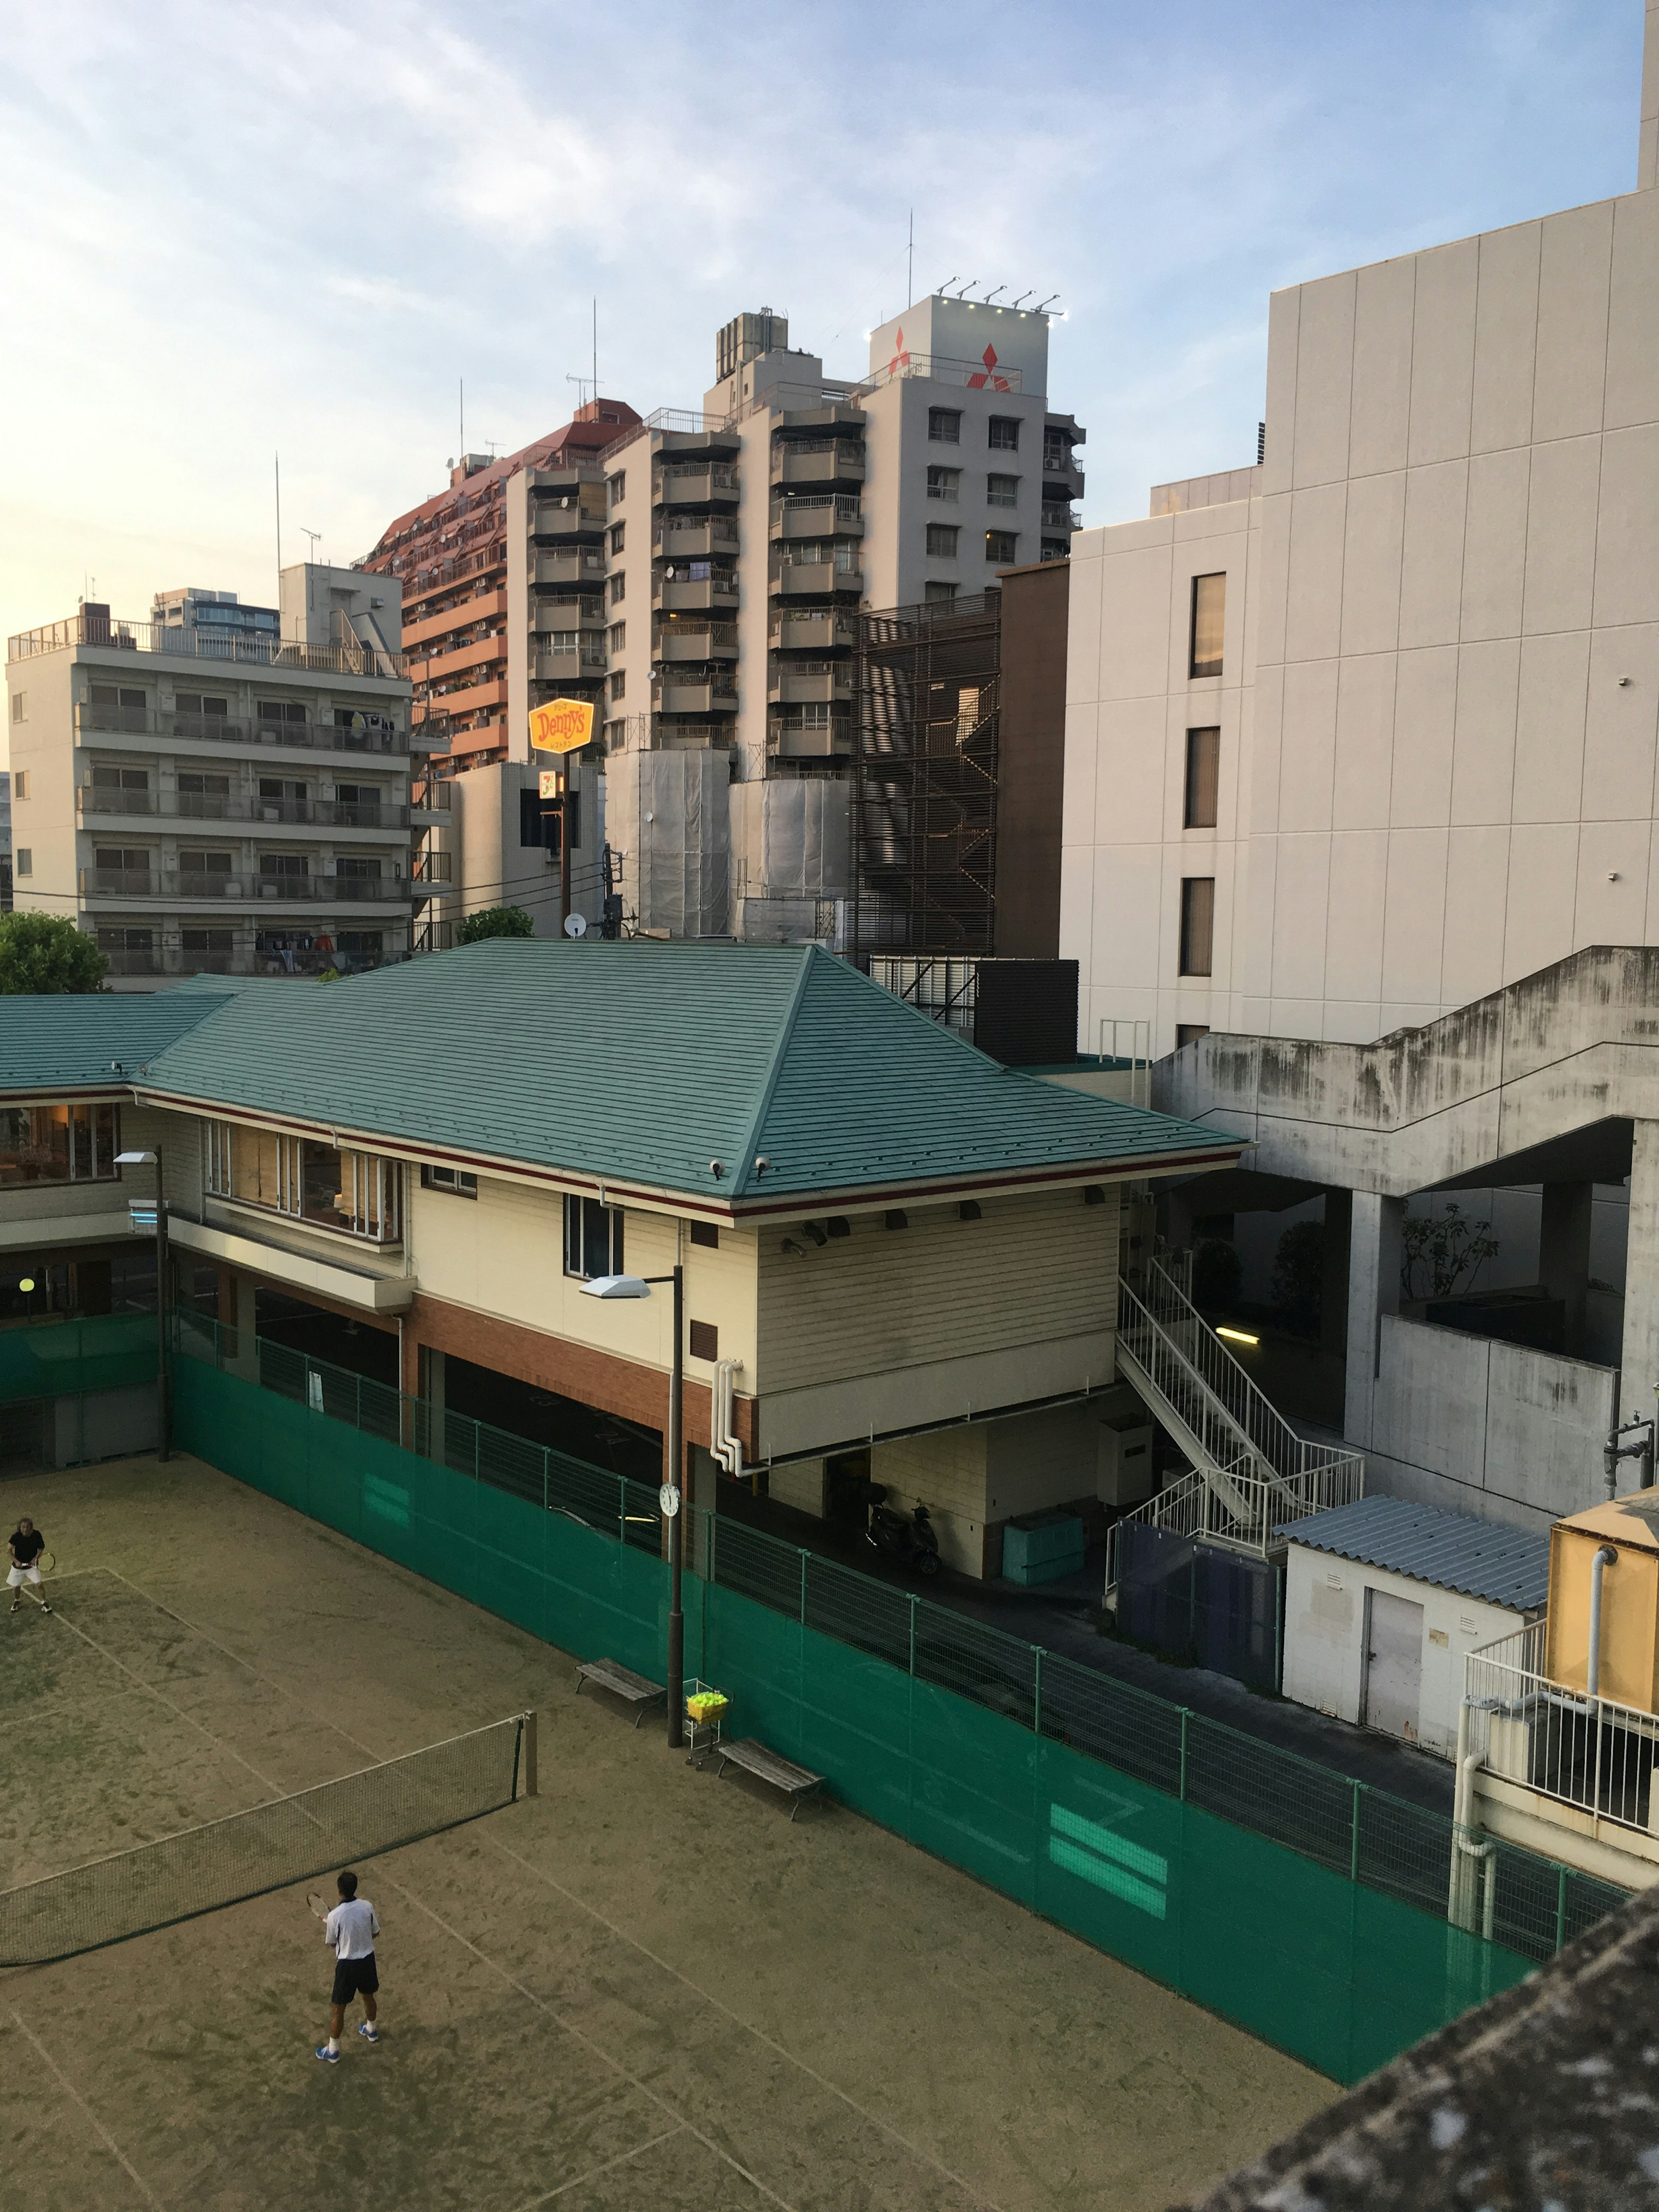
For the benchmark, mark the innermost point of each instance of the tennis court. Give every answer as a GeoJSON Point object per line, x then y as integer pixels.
{"type": "Point", "coordinates": [640, 1988]}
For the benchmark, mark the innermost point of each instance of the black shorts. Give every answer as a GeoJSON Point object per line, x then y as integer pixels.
{"type": "Point", "coordinates": [354, 1977]}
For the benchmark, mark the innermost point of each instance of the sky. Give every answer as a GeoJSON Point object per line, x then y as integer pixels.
{"type": "Point", "coordinates": [236, 230]}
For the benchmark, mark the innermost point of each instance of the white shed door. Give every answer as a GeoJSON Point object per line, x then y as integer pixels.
{"type": "Point", "coordinates": [1393, 1663]}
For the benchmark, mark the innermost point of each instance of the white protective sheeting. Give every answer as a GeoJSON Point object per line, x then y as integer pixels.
{"type": "Point", "coordinates": [792, 838]}
{"type": "Point", "coordinates": [669, 815]}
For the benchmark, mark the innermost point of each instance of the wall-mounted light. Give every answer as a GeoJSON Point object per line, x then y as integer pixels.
{"type": "Point", "coordinates": [1238, 1336]}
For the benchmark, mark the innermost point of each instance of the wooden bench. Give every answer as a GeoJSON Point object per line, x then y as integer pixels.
{"type": "Point", "coordinates": [754, 1759]}
{"type": "Point", "coordinates": [622, 1682]}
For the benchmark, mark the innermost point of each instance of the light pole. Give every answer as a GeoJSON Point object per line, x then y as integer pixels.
{"type": "Point", "coordinates": [639, 1286]}
{"type": "Point", "coordinates": [163, 1425]}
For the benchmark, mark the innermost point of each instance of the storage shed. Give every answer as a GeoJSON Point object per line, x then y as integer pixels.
{"type": "Point", "coordinates": [1382, 1598]}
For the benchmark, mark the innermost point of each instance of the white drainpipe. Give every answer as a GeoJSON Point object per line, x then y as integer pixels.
{"type": "Point", "coordinates": [1605, 1557]}
{"type": "Point", "coordinates": [722, 1442]}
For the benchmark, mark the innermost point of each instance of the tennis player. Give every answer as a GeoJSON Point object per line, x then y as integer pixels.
{"type": "Point", "coordinates": [26, 1546]}
{"type": "Point", "coordinates": [350, 1930]}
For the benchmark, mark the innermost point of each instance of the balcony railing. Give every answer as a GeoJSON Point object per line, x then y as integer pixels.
{"type": "Point", "coordinates": [817, 460]}
{"type": "Point", "coordinates": [684, 640]}
{"type": "Point", "coordinates": [180, 885]}
{"type": "Point", "coordinates": [675, 534]}
{"type": "Point", "coordinates": [1591, 1752]}
{"type": "Point", "coordinates": [691, 481]}
{"type": "Point", "coordinates": [572, 565]}
{"type": "Point", "coordinates": [122, 637]}
{"type": "Point", "coordinates": [217, 806]}
{"type": "Point", "coordinates": [367, 734]}
{"type": "Point", "coordinates": [976, 375]}
{"type": "Point", "coordinates": [824, 514]}
{"type": "Point", "coordinates": [813, 632]}
{"type": "Point", "coordinates": [1060, 518]}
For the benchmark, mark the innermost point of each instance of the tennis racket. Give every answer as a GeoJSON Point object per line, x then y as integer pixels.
{"type": "Point", "coordinates": [318, 1903]}
{"type": "Point", "coordinates": [46, 1561]}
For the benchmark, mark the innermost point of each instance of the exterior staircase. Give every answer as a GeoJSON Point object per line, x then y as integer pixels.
{"type": "Point", "coordinates": [1251, 1471]}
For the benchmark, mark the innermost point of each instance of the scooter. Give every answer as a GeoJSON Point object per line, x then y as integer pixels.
{"type": "Point", "coordinates": [911, 1543]}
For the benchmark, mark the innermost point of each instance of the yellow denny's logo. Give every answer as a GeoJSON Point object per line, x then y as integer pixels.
{"type": "Point", "coordinates": [562, 725]}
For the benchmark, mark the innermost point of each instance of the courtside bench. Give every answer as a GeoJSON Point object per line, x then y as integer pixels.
{"type": "Point", "coordinates": [783, 1774]}
{"type": "Point", "coordinates": [622, 1682]}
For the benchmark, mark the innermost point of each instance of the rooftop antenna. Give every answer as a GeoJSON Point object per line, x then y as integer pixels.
{"type": "Point", "coordinates": [278, 459]}
{"type": "Point", "coordinates": [1042, 304]}
{"type": "Point", "coordinates": [313, 535]}
{"type": "Point", "coordinates": [460, 387]}
{"type": "Point", "coordinates": [583, 388]}
{"type": "Point", "coordinates": [910, 261]}
{"type": "Point", "coordinates": [596, 352]}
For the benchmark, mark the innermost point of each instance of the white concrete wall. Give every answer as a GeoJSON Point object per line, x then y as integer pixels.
{"type": "Point", "coordinates": [1325, 1632]}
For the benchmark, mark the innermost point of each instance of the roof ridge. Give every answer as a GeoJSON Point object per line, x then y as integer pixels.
{"type": "Point", "coordinates": [776, 1070]}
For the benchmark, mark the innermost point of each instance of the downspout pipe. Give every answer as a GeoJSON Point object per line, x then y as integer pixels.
{"type": "Point", "coordinates": [1604, 1559]}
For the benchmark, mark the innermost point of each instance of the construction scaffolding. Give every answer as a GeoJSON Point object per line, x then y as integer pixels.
{"type": "Point", "coordinates": [925, 777]}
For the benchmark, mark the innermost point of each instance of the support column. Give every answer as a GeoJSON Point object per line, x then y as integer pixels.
{"type": "Point", "coordinates": [1564, 1247]}
{"type": "Point", "coordinates": [1640, 1365]}
{"type": "Point", "coordinates": [244, 1315]}
{"type": "Point", "coordinates": [1333, 1273]}
{"type": "Point", "coordinates": [1373, 1291]}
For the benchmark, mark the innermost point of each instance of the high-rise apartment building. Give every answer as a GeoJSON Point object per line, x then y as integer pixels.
{"type": "Point", "coordinates": [203, 796]}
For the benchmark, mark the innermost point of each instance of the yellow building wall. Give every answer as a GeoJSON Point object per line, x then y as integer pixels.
{"type": "Point", "coordinates": [1630, 1614]}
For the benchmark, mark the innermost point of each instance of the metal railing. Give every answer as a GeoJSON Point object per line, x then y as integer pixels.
{"type": "Point", "coordinates": [717, 476]}
{"type": "Point", "coordinates": [1592, 1752]}
{"type": "Point", "coordinates": [169, 883]}
{"type": "Point", "coordinates": [827, 628]}
{"type": "Point", "coordinates": [367, 734]}
{"type": "Point", "coordinates": [1060, 518]}
{"type": "Point", "coordinates": [943, 369]}
{"type": "Point", "coordinates": [845, 506]}
{"type": "Point", "coordinates": [1260, 1472]}
{"type": "Point", "coordinates": [719, 529]}
{"type": "Point", "coordinates": [699, 634]}
{"type": "Point", "coordinates": [847, 455]}
{"type": "Point", "coordinates": [806, 553]}
{"type": "Point", "coordinates": [217, 806]}
{"type": "Point", "coordinates": [122, 637]}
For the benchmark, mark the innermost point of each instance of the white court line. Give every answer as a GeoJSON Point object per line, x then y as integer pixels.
{"type": "Point", "coordinates": [615, 2064]}
{"type": "Point", "coordinates": [623, 2158]}
{"type": "Point", "coordinates": [109, 2140]}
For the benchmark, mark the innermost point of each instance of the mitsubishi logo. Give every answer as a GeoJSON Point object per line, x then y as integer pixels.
{"type": "Point", "coordinates": [900, 358]}
{"type": "Point", "coordinates": [977, 383]}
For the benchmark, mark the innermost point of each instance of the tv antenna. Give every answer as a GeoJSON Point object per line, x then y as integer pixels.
{"type": "Point", "coordinates": [313, 535]}
{"type": "Point", "coordinates": [910, 261]}
{"type": "Point", "coordinates": [585, 387]}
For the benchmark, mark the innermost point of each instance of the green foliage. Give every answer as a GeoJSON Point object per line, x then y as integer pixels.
{"type": "Point", "coordinates": [1217, 1274]}
{"type": "Point", "coordinates": [45, 953]}
{"type": "Point", "coordinates": [495, 922]}
{"type": "Point", "coordinates": [1299, 1277]}
{"type": "Point", "coordinates": [1438, 1252]}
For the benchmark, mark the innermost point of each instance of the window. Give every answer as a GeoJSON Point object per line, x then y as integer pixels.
{"type": "Point", "coordinates": [58, 1144]}
{"type": "Point", "coordinates": [17, 709]}
{"type": "Point", "coordinates": [358, 1192]}
{"type": "Point", "coordinates": [456, 1180]}
{"type": "Point", "coordinates": [1197, 925]}
{"type": "Point", "coordinates": [618, 636]}
{"type": "Point", "coordinates": [194, 786]}
{"type": "Point", "coordinates": [593, 1238]}
{"type": "Point", "coordinates": [942, 541]}
{"type": "Point", "coordinates": [619, 685]}
{"type": "Point", "coordinates": [25, 858]}
{"type": "Point", "coordinates": [618, 589]}
{"type": "Point", "coordinates": [943, 483]}
{"type": "Point", "coordinates": [1056, 451]}
{"type": "Point", "coordinates": [120, 778]}
{"type": "Point", "coordinates": [114, 694]}
{"type": "Point", "coordinates": [205, 863]}
{"type": "Point", "coordinates": [20, 784]}
{"type": "Point", "coordinates": [357, 867]}
{"type": "Point", "coordinates": [282, 786]}
{"type": "Point", "coordinates": [1209, 620]}
{"type": "Point", "coordinates": [945, 425]}
{"type": "Point", "coordinates": [1189, 1033]}
{"type": "Point", "coordinates": [121, 859]}
{"type": "Point", "coordinates": [1203, 774]}
{"type": "Point", "coordinates": [197, 942]}
{"type": "Point", "coordinates": [704, 1340]}
{"type": "Point", "coordinates": [205, 703]}
{"type": "Point", "coordinates": [706, 1232]}
{"type": "Point", "coordinates": [1001, 491]}
{"type": "Point", "coordinates": [938, 594]}
{"type": "Point", "coordinates": [1004, 434]}
{"type": "Point", "coordinates": [270, 710]}
{"type": "Point", "coordinates": [618, 530]}
{"type": "Point", "coordinates": [1002, 546]}
{"type": "Point", "coordinates": [617, 487]}
{"type": "Point", "coordinates": [290, 865]}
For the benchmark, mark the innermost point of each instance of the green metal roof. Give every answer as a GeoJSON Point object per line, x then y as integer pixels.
{"type": "Point", "coordinates": [646, 1063]}
{"type": "Point", "coordinates": [67, 1039]}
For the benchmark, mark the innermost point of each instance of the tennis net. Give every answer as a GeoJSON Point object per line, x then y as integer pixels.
{"type": "Point", "coordinates": [245, 1854]}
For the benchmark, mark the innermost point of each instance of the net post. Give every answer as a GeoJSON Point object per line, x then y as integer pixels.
{"type": "Point", "coordinates": [531, 1789]}
{"type": "Point", "coordinates": [1354, 1845]}
{"type": "Point", "coordinates": [1037, 1689]}
{"type": "Point", "coordinates": [1185, 1717]}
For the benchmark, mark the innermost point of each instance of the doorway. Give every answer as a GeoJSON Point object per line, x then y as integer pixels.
{"type": "Point", "coordinates": [1393, 1690]}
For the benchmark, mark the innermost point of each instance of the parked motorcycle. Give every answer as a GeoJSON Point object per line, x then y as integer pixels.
{"type": "Point", "coordinates": [911, 1543]}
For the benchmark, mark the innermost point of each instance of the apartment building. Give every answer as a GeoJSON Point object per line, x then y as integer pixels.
{"type": "Point", "coordinates": [746, 539]}
{"type": "Point", "coordinates": [503, 583]}
{"type": "Point", "coordinates": [205, 797]}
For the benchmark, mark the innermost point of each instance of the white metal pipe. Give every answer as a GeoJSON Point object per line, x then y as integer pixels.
{"type": "Point", "coordinates": [1605, 1557]}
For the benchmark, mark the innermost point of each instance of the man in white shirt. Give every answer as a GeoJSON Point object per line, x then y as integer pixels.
{"type": "Point", "coordinates": [349, 1931]}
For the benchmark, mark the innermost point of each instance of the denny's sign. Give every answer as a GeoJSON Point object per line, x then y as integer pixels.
{"type": "Point", "coordinates": [563, 726]}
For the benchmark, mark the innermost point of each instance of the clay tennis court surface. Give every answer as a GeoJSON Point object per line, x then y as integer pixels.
{"type": "Point", "coordinates": [644, 1987]}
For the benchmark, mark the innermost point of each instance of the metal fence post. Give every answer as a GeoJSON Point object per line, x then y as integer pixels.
{"type": "Point", "coordinates": [1560, 1907]}
{"type": "Point", "coordinates": [804, 1556]}
{"type": "Point", "coordinates": [912, 1635]}
{"type": "Point", "coordinates": [1185, 1717]}
{"type": "Point", "coordinates": [1354, 1847]}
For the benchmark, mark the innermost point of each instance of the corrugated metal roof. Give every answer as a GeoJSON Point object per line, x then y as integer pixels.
{"type": "Point", "coordinates": [1479, 1558]}
{"type": "Point", "coordinates": [49, 1044]}
{"type": "Point", "coordinates": [646, 1062]}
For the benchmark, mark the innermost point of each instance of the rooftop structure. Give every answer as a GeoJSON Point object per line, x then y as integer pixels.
{"type": "Point", "coordinates": [1483, 1559]}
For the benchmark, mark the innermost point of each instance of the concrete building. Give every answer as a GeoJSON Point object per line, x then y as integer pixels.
{"type": "Point", "coordinates": [5, 841]}
{"type": "Point", "coordinates": [202, 798]}
{"type": "Point", "coordinates": [218, 620]}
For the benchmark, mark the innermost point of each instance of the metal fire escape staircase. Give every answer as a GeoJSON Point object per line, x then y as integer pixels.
{"type": "Point", "coordinates": [1251, 1472]}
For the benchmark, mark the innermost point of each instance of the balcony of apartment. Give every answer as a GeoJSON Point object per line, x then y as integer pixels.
{"type": "Point", "coordinates": [705, 483]}
{"type": "Point", "coordinates": [213, 887]}
{"type": "Point", "coordinates": [571, 564]}
{"type": "Point", "coordinates": [434, 877]}
{"type": "Point", "coordinates": [804, 682]}
{"type": "Point", "coordinates": [815, 630]}
{"type": "Point", "coordinates": [581, 611]}
{"type": "Point", "coordinates": [816, 515]}
{"type": "Point", "coordinates": [702, 642]}
{"type": "Point", "coordinates": [96, 807]}
{"type": "Point", "coordinates": [159, 957]}
{"type": "Point", "coordinates": [679, 538]}
{"type": "Point", "coordinates": [692, 733]}
{"type": "Point", "coordinates": [569, 656]}
{"type": "Point", "coordinates": [570, 476]}
{"type": "Point", "coordinates": [557, 523]}
{"type": "Point", "coordinates": [475, 653]}
{"type": "Point", "coordinates": [812, 734]}
{"type": "Point", "coordinates": [706, 690]}
{"type": "Point", "coordinates": [814, 571]}
{"type": "Point", "coordinates": [433, 813]}
{"type": "Point", "coordinates": [1057, 515]}
{"type": "Point", "coordinates": [462, 699]}
{"type": "Point", "coordinates": [104, 632]}
{"type": "Point", "coordinates": [481, 607]}
{"type": "Point", "coordinates": [366, 733]}
{"type": "Point", "coordinates": [818, 461]}
{"type": "Point", "coordinates": [674, 592]}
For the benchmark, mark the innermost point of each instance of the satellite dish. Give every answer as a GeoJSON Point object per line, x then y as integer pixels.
{"type": "Point", "coordinates": [575, 925]}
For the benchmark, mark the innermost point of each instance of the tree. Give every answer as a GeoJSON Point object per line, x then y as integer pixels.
{"type": "Point", "coordinates": [495, 922]}
{"type": "Point", "coordinates": [1299, 1280]}
{"type": "Point", "coordinates": [45, 953]}
{"type": "Point", "coordinates": [1442, 1248]}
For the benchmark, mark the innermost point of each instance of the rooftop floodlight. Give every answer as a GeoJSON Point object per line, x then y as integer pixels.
{"type": "Point", "coordinates": [616, 1286]}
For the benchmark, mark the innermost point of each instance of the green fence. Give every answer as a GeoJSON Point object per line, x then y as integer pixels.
{"type": "Point", "coordinates": [1306, 1906]}
{"type": "Point", "coordinates": [68, 1359]}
